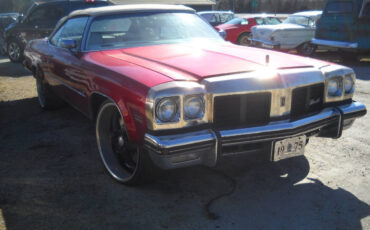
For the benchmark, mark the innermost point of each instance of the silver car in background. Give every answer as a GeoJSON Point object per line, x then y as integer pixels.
{"type": "Point", "coordinates": [295, 33]}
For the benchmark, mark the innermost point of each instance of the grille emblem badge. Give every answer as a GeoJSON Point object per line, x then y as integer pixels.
{"type": "Point", "coordinates": [314, 101]}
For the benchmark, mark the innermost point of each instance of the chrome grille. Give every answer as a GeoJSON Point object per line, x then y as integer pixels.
{"type": "Point", "coordinates": [244, 110]}
{"type": "Point", "coordinates": [306, 100]}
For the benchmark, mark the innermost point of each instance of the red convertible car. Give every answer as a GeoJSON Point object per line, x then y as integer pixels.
{"type": "Point", "coordinates": [238, 30]}
{"type": "Point", "coordinates": [166, 91]}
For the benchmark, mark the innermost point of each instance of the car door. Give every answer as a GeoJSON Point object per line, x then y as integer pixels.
{"type": "Point", "coordinates": [363, 27]}
{"type": "Point", "coordinates": [68, 76]}
{"type": "Point", "coordinates": [337, 21]}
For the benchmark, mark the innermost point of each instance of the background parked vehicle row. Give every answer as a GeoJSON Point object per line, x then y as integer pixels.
{"type": "Point", "coordinates": [5, 20]}
{"type": "Point", "coordinates": [39, 22]}
{"type": "Point", "coordinates": [238, 30]}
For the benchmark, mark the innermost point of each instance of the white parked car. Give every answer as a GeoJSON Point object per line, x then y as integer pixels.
{"type": "Point", "coordinates": [296, 32]}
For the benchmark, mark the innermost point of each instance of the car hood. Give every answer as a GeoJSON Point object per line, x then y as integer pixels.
{"type": "Point", "coordinates": [225, 27]}
{"type": "Point", "coordinates": [198, 61]}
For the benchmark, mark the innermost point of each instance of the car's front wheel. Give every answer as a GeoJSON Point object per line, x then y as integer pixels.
{"type": "Point", "coordinates": [306, 49]}
{"type": "Point", "coordinates": [47, 98]}
{"type": "Point", "coordinates": [243, 39]}
{"type": "Point", "coordinates": [125, 161]}
{"type": "Point", "coordinates": [15, 51]}
{"type": "Point", "coordinates": [349, 57]}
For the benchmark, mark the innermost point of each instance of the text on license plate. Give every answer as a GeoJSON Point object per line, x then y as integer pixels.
{"type": "Point", "coordinates": [290, 147]}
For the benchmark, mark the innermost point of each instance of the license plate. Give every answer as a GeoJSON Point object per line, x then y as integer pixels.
{"type": "Point", "coordinates": [267, 46]}
{"type": "Point", "coordinates": [290, 147]}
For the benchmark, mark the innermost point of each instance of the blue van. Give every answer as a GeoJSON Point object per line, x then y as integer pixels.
{"type": "Point", "coordinates": [345, 24]}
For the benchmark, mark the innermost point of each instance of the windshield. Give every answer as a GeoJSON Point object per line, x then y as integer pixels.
{"type": "Point", "coordinates": [235, 21]}
{"type": "Point", "coordinates": [272, 21]}
{"type": "Point", "coordinates": [299, 20]}
{"type": "Point", "coordinates": [129, 30]}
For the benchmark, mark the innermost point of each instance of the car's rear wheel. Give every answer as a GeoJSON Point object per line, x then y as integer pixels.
{"type": "Point", "coordinates": [243, 39]}
{"type": "Point", "coordinates": [15, 51]}
{"type": "Point", "coordinates": [47, 98]}
{"type": "Point", "coordinates": [125, 162]}
{"type": "Point", "coordinates": [306, 49]}
{"type": "Point", "coordinates": [349, 57]}
{"type": "Point", "coordinates": [2, 48]}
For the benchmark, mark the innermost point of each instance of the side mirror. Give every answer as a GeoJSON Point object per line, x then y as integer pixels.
{"type": "Point", "coordinates": [68, 44]}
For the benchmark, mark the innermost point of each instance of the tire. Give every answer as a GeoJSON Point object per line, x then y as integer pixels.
{"type": "Point", "coordinates": [46, 97]}
{"type": "Point", "coordinates": [307, 49]}
{"type": "Point", "coordinates": [2, 48]}
{"type": "Point", "coordinates": [15, 51]}
{"type": "Point", "coordinates": [126, 162]}
{"type": "Point", "coordinates": [349, 57]}
{"type": "Point", "coordinates": [243, 39]}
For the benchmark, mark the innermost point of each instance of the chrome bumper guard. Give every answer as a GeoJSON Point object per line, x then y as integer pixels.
{"type": "Point", "coordinates": [204, 147]}
{"type": "Point", "coordinates": [265, 44]}
{"type": "Point", "coordinates": [336, 44]}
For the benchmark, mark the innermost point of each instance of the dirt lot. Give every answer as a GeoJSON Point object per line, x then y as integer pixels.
{"type": "Point", "coordinates": [51, 177]}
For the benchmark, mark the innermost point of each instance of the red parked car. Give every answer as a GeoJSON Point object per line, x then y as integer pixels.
{"type": "Point", "coordinates": [166, 91]}
{"type": "Point", "coordinates": [238, 30]}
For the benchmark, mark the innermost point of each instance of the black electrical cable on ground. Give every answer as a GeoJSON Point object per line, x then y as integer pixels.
{"type": "Point", "coordinates": [211, 215]}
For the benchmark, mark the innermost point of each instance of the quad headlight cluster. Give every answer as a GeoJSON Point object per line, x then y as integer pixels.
{"type": "Point", "coordinates": [168, 109]}
{"type": "Point", "coordinates": [177, 104]}
{"type": "Point", "coordinates": [340, 87]}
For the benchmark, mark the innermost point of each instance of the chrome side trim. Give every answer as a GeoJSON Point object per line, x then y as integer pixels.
{"type": "Point", "coordinates": [337, 44]}
{"type": "Point", "coordinates": [79, 92]}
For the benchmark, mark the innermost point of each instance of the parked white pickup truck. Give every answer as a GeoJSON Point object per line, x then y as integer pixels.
{"type": "Point", "coordinates": [296, 32]}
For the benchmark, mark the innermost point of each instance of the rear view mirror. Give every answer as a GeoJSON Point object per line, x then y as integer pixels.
{"type": "Point", "coordinates": [68, 44]}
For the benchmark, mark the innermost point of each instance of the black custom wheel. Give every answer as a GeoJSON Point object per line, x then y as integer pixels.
{"type": "Point", "coordinates": [306, 49]}
{"type": "Point", "coordinates": [15, 51]}
{"type": "Point", "coordinates": [125, 162]}
{"type": "Point", "coordinates": [243, 39]}
{"type": "Point", "coordinates": [47, 98]}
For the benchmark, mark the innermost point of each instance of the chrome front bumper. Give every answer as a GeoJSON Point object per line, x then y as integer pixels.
{"type": "Point", "coordinates": [336, 44]}
{"type": "Point", "coordinates": [206, 146]}
{"type": "Point", "coordinates": [265, 44]}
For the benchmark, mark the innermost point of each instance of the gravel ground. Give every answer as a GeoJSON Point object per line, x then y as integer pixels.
{"type": "Point", "coordinates": [51, 177]}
